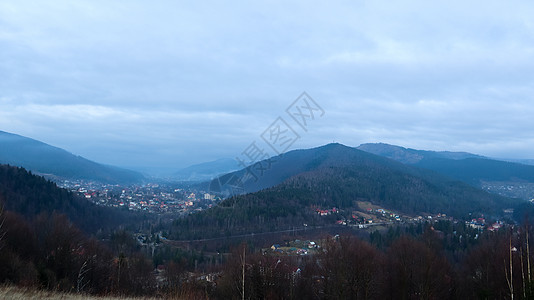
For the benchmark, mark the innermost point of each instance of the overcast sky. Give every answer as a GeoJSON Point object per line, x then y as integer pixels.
{"type": "Point", "coordinates": [168, 84]}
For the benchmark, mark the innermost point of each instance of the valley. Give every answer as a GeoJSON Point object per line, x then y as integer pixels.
{"type": "Point", "coordinates": [187, 236]}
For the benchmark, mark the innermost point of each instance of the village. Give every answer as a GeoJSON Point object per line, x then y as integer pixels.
{"type": "Point", "coordinates": [369, 215]}
{"type": "Point", "coordinates": [151, 198]}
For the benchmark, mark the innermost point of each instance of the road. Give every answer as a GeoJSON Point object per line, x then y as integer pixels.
{"type": "Point", "coordinates": [299, 229]}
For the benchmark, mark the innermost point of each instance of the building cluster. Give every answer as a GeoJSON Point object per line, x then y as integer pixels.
{"type": "Point", "coordinates": [152, 198]}
{"type": "Point", "coordinates": [480, 224]}
{"type": "Point", "coordinates": [326, 212]}
{"type": "Point", "coordinates": [522, 190]}
{"type": "Point", "coordinates": [292, 248]}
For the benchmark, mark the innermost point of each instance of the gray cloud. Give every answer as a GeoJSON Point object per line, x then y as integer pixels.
{"type": "Point", "coordinates": [170, 84]}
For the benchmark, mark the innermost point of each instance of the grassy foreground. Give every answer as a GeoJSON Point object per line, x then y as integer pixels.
{"type": "Point", "coordinates": [15, 293]}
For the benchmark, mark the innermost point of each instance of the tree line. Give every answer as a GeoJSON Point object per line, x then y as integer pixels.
{"type": "Point", "coordinates": [440, 260]}
{"type": "Point", "coordinates": [494, 265]}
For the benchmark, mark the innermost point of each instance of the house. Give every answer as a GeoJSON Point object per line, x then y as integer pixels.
{"type": "Point", "coordinates": [302, 252]}
{"type": "Point", "coordinates": [496, 226]}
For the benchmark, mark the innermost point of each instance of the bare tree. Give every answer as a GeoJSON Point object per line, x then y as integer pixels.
{"type": "Point", "coordinates": [417, 271]}
{"type": "Point", "coordinates": [81, 282]}
{"type": "Point", "coordinates": [509, 272]}
{"type": "Point", "coordinates": [351, 269]}
{"type": "Point", "coordinates": [2, 220]}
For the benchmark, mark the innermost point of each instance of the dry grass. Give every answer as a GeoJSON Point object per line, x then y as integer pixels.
{"type": "Point", "coordinates": [16, 293]}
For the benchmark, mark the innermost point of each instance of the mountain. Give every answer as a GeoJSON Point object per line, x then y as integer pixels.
{"type": "Point", "coordinates": [207, 170]}
{"type": "Point", "coordinates": [45, 159]}
{"type": "Point", "coordinates": [269, 172]}
{"type": "Point", "coordinates": [275, 170]}
{"type": "Point", "coordinates": [479, 171]}
{"type": "Point", "coordinates": [470, 168]}
{"type": "Point", "coordinates": [335, 175]}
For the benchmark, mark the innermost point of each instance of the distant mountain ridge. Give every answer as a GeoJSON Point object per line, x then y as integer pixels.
{"type": "Point", "coordinates": [45, 159]}
{"type": "Point", "coordinates": [473, 169]}
{"type": "Point", "coordinates": [207, 170]}
{"type": "Point", "coordinates": [412, 156]}
{"type": "Point", "coordinates": [519, 161]}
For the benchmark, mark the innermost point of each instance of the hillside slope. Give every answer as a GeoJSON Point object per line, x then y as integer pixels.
{"type": "Point", "coordinates": [45, 159]}
{"type": "Point", "coordinates": [30, 195]}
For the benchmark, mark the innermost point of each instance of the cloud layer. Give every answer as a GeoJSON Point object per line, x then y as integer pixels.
{"type": "Point", "coordinates": [170, 84]}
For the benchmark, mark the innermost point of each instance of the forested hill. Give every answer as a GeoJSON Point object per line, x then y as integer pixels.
{"type": "Point", "coordinates": [30, 195]}
{"type": "Point", "coordinates": [42, 158]}
{"type": "Point", "coordinates": [338, 176]}
{"type": "Point", "coordinates": [275, 170]}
